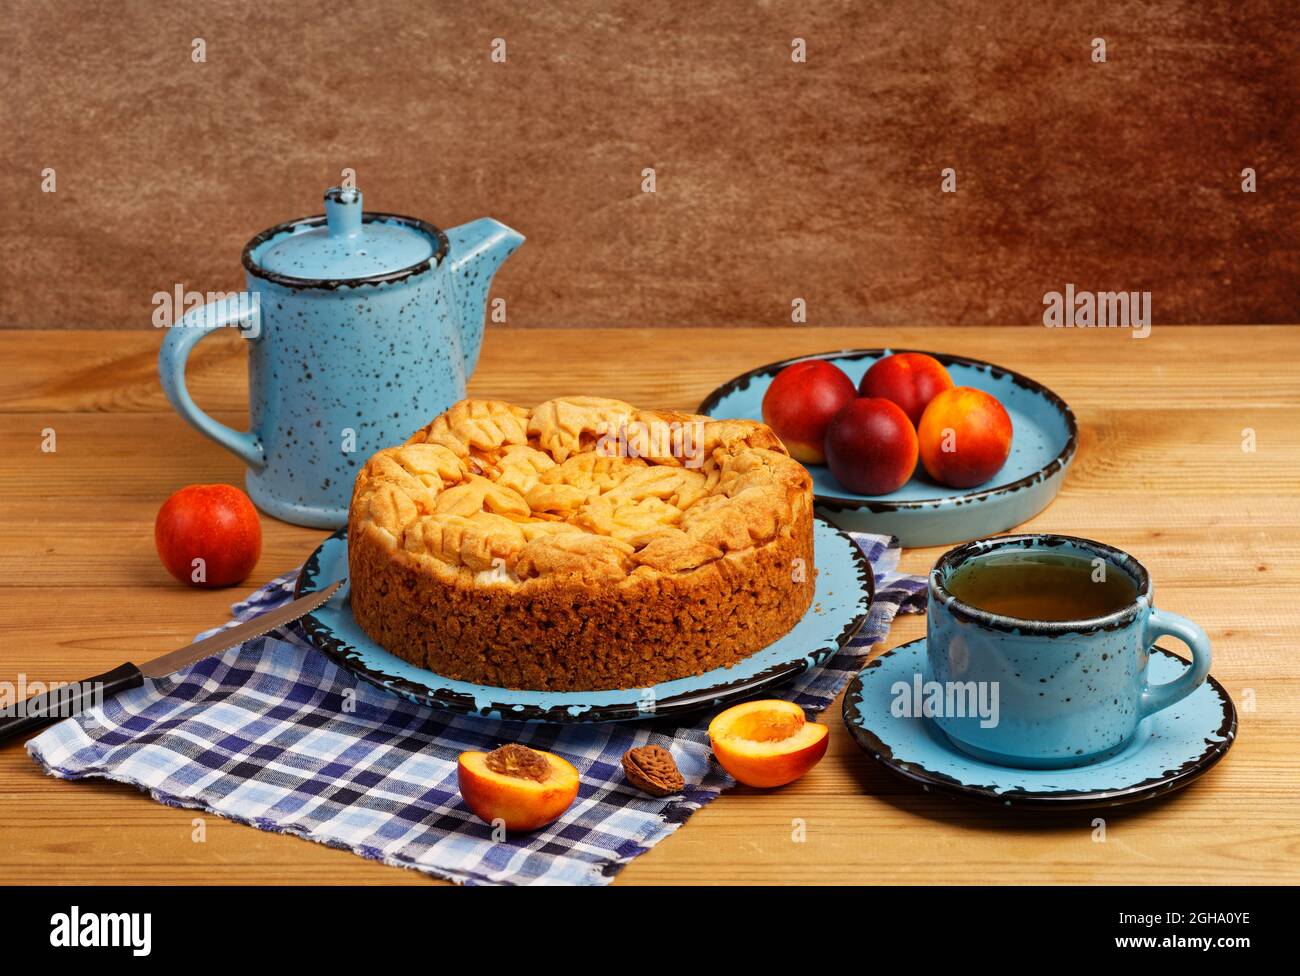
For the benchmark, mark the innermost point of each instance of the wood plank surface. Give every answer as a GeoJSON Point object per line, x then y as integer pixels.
{"type": "Point", "coordinates": [1161, 472]}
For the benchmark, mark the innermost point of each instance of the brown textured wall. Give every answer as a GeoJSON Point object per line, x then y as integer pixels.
{"type": "Point", "coordinates": [775, 180]}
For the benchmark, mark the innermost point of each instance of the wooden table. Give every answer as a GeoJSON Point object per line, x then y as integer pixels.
{"type": "Point", "coordinates": [1161, 472]}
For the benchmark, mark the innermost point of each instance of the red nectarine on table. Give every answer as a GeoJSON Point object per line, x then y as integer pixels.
{"type": "Point", "coordinates": [909, 379]}
{"type": "Point", "coordinates": [767, 743]}
{"type": "Point", "coordinates": [965, 437]}
{"type": "Point", "coordinates": [208, 535]}
{"type": "Point", "coordinates": [801, 401]}
{"type": "Point", "coordinates": [871, 447]}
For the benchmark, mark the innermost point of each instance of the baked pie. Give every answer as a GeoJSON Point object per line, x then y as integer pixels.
{"type": "Point", "coordinates": [582, 544]}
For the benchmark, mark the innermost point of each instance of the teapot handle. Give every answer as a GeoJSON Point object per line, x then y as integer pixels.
{"type": "Point", "coordinates": [234, 310]}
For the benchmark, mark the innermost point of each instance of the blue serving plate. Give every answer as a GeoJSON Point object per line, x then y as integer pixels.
{"type": "Point", "coordinates": [845, 587]}
{"type": "Point", "coordinates": [923, 513]}
{"type": "Point", "coordinates": [1172, 747]}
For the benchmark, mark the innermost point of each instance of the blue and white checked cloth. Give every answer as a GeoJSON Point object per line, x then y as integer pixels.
{"type": "Point", "coordinates": [276, 736]}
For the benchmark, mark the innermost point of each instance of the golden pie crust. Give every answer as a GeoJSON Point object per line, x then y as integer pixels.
{"type": "Point", "coordinates": [582, 544]}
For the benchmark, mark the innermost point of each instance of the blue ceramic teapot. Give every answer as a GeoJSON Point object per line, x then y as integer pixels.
{"type": "Point", "coordinates": [361, 328]}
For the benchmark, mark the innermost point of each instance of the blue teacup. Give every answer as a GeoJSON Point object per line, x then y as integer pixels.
{"type": "Point", "coordinates": [1066, 692]}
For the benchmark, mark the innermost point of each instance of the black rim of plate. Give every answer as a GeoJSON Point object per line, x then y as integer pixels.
{"type": "Point", "coordinates": [839, 503]}
{"type": "Point", "coordinates": [346, 656]}
{"type": "Point", "coordinates": [1059, 799]}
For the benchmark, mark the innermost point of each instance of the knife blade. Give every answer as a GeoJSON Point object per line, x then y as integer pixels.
{"type": "Point", "coordinates": [69, 699]}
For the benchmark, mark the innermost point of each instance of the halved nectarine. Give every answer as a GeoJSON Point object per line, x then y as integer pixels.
{"type": "Point", "coordinates": [522, 787]}
{"type": "Point", "coordinates": [767, 743]}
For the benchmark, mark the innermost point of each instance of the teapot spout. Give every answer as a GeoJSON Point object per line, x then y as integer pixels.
{"type": "Point", "coordinates": [476, 250]}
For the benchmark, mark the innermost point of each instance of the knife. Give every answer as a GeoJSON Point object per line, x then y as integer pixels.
{"type": "Point", "coordinates": [58, 703]}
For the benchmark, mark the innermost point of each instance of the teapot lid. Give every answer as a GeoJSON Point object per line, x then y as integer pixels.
{"type": "Point", "coordinates": [347, 244]}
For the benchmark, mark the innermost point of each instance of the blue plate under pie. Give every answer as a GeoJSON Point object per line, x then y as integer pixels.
{"type": "Point", "coordinates": [1171, 748]}
{"type": "Point", "coordinates": [844, 590]}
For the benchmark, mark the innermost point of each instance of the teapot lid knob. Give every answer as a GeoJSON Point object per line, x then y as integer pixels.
{"type": "Point", "coordinates": [343, 211]}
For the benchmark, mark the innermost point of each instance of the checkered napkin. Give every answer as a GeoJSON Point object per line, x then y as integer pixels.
{"type": "Point", "coordinates": [260, 734]}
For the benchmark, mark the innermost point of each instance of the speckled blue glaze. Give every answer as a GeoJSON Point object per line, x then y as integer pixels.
{"type": "Point", "coordinates": [844, 589]}
{"type": "Point", "coordinates": [1069, 692]}
{"type": "Point", "coordinates": [1171, 748]}
{"type": "Point", "coordinates": [370, 325]}
{"type": "Point", "coordinates": [923, 513]}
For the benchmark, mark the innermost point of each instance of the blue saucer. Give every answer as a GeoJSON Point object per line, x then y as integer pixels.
{"type": "Point", "coordinates": [1171, 748]}
{"type": "Point", "coordinates": [845, 586]}
{"type": "Point", "coordinates": [923, 513]}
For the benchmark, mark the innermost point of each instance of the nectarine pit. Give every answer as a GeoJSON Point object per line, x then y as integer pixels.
{"type": "Point", "coordinates": [518, 761]}
{"type": "Point", "coordinates": [652, 769]}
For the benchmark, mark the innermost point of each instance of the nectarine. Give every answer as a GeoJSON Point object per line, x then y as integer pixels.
{"type": "Point", "coordinates": [871, 447]}
{"type": "Point", "coordinates": [767, 743]}
{"type": "Point", "coordinates": [208, 535]}
{"type": "Point", "coordinates": [800, 403]}
{"type": "Point", "coordinates": [965, 437]}
{"type": "Point", "coordinates": [523, 788]}
{"type": "Point", "coordinates": [910, 379]}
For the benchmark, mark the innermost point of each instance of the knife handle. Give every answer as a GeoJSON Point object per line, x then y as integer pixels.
{"type": "Point", "coordinates": [59, 703]}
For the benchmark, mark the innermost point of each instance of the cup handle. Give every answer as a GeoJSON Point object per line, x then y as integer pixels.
{"type": "Point", "coordinates": [1161, 623]}
{"type": "Point", "coordinates": [234, 310]}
